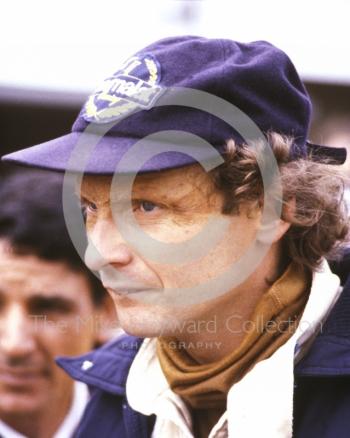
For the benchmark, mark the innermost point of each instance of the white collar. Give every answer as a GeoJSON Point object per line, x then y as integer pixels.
{"type": "Point", "coordinates": [70, 422]}
{"type": "Point", "coordinates": [249, 401]}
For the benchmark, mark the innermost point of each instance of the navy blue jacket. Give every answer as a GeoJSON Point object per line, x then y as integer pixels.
{"type": "Point", "coordinates": [321, 397]}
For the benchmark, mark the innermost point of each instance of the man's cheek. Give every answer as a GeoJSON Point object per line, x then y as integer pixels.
{"type": "Point", "coordinates": [89, 225]}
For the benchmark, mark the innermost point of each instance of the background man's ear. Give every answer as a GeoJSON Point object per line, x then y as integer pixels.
{"type": "Point", "coordinates": [108, 326]}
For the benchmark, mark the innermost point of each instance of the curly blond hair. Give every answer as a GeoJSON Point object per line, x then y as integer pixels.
{"type": "Point", "coordinates": [319, 222]}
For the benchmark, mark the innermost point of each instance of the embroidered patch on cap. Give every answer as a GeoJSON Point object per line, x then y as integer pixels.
{"type": "Point", "coordinates": [134, 86]}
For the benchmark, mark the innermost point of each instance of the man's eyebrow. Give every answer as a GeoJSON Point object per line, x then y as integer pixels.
{"type": "Point", "coordinates": [80, 195]}
{"type": "Point", "coordinates": [172, 198]}
{"type": "Point", "coordinates": [84, 199]}
{"type": "Point", "coordinates": [79, 191]}
{"type": "Point", "coordinates": [55, 300]}
{"type": "Point", "coordinates": [118, 195]}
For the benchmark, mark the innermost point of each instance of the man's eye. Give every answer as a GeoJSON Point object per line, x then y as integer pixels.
{"type": "Point", "coordinates": [147, 206]}
{"type": "Point", "coordinates": [91, 207]}
{"type": "Point", "coordinates": [88, 208]}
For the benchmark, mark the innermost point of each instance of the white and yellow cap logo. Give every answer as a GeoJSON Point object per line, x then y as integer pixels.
{"type": "Point", "coordinates": [134, 86]}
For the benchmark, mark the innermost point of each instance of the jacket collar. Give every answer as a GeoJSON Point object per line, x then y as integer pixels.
{"type": "Point", "coordinates": [329, 354]}
{"type": "Point", "coordinates": [106, 368]}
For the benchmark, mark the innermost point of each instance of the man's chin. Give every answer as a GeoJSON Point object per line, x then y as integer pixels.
{"type": "Point", "coordinates": [145, 321]}
{"type": "Point", "coordinates": [140, 332]}
{"type": "Point", "coordinates": [22, 404]}
{"type": "Point", "coordinates": [140, 328]}
{"type": "Point", "coordinates": [136, 320]}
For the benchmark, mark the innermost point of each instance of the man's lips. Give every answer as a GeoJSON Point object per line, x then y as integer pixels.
{"type": "Point", "coordinates": [121, 291]}
{"type": "Point", "coordinates": [16, 376]}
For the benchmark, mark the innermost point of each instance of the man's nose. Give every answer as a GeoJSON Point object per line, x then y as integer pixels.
{"type": "Point", "coordinates": [16, 333]}
{"type": "Point", "coordinates": [106, 246]}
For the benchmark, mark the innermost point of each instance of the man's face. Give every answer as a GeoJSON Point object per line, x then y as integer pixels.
{"type": "Point", "coordinates": [172, 207]}
{"type": "Point", "coordinates": [46, 310]}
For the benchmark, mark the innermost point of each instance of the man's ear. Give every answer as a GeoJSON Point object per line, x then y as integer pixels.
{"type": "Point", "coordinates": [274, 230]}
{"type": "Point", "coordinates": [107, 327]}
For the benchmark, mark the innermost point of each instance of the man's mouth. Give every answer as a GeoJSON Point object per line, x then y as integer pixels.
{"type": "Point", "coordinates": [128, 291]}
{"type": "Point", "coordinates": [17, 376]}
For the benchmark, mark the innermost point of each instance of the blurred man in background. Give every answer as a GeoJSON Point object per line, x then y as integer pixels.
{"type": "Point", "coordinates": [50, 305]}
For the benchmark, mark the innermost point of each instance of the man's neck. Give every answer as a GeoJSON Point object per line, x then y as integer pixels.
{"type": "Point", "coordinates": [219, 329]}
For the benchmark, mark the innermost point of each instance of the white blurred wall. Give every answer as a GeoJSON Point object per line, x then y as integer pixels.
{"type": "Point", "coordinates": [70, 45]}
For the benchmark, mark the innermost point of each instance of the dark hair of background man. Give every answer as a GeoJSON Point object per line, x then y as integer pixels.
{"type": "Point", "coordinates": [32, 221]}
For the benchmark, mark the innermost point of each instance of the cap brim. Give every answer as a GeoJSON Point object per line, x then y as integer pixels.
{"type": "Point", "coordinates": [326, 154]}
{"type": "Point", "coordinates": [90, 154]}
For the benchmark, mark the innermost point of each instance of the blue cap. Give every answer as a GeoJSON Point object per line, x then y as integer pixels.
{"type": "Point", "coordinates": [257, 78]}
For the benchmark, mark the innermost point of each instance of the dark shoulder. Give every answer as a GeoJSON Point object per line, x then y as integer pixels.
{"type": "Point", "coordinates": [341, 267]}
